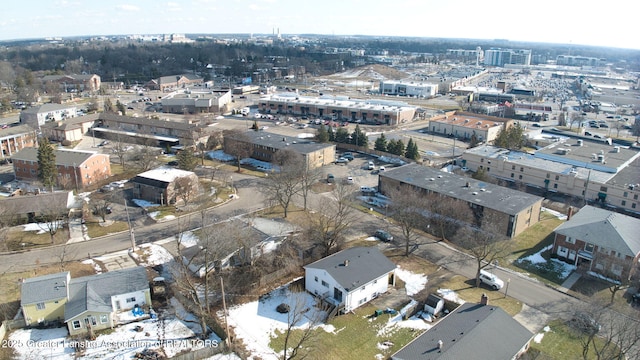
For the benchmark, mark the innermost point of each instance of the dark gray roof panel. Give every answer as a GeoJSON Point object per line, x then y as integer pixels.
{"type": "Point", "coordinates": [363, 265]}
{"type": "Point", "coordinates": [44, 288]}
{"type": "Point", "coordinates": [480, 193]}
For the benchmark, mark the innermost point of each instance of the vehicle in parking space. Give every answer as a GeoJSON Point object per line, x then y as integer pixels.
{"type": "Point", "coordinates": [349, 180]}
{"type": "Point", "coordinates": [331, 178]}
{"type": "Point", "coordinates": [598, 136]}
{"type": "Point", "coordinates": [490, 279]}
{"type": "Point", "coordinates": [604, 125]}
{"type": "Point", "coordinates": [381, 168]}
{"type": "Point", "coordinates": [371, 165]}
{"type": "Point", "coordinates": [106, 188]}
{"type": "Point", "coordinates": [367, 190]}
{"type": "Point", "coordinates": [348, 156]}
{"type": "Point", "coordinates": [342, 160]}
{"type": "Point", "coordinates": [586, 133]}
{"type": "Point", "coordinates": [383, 235]}
{"type": "Point", "coordinates": [538, 125]}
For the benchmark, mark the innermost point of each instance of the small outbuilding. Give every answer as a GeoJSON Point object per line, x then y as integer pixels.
{"type": "Point", "coordinates": [434, 304]}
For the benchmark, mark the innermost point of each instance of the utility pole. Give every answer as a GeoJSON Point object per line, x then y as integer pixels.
{"type": "Point", "coordinates": [224, 307]}
{"type": "Point", "coordinates": [133, 239]}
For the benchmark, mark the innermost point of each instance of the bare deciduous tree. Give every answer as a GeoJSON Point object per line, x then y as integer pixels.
{"type": "Point", "coordinates": [100, 207]}
{"type": "Point", "coordinates": [145, 157]}
{"type": "Point", "coordinates": [237, 144]}
{"type": "Point", "coordinates": [407, 208]}
{"type": "Point", "coordinates": [486, 247]}
{"type": "Point", "coordinates": [447, 215]}
{"type": "Point", "coordinates": [332, 218]}
{"type": "Point", "coordinates": [186, 188]}
{"type": "Point", "coordinates": [301, 318]}
{"type": "Point", "coordinates": [309, 177]}
{"type": "Point", "coordinates": [284, 183]}
{"type": "Point", "coordinates": [52, 220]}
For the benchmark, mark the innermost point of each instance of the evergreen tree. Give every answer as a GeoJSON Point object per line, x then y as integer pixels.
{"type": "Point", "coordinates": [474, 141]}
{"type": "Point", "coordinates": [511, 138]}
{"type": "Point", "coordinates": [47, 170]}
{"type": "Point", "coordinates": [255, 125]}
{"type": "Point", "coordinates": [187, 160]}
{"type": "Point", "coordinates": [332, 134]}
{"type": "Point", "coordinates": [342, 135]}
{"type": "Point", "coordinates": [108, 105]}
{"type": "Point", "coordinates": [412, 151]}
{"type": "Point", "coordinates": [381, 143]}
{"type": "Point", "coordinates": [121, 108]}
{"type": "Point", "coordinates": [359, 138]}
{"type": "Point", "coordinates": [395, 147]}
{"type": "Point", "coordinates": [323, 135]}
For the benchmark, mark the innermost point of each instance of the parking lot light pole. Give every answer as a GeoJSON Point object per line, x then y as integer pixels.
{"type": "Point", "coordinates": [506, 289]}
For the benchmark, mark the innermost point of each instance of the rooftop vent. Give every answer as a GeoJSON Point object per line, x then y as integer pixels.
{"type": "Point", "coordinates": [474, 193]}
{"type": "Point", "coordinates": [616, 149]}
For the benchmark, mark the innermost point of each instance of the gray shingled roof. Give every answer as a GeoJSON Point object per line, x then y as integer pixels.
{"type": "Point", "coordinates": [63, 157]}
{"type": "Point", "coordinates": [364, 265]}
{"type": "Point", "coordinates": [472, 331]}
{"type": "Point", "coordinates": [93, 293]}
{"type": "Point", "coordinates": [44, 288]}
{"type": "Point", "coordinates": [276, 141]}
{"type": "Point", "coordinates": [604, 228]}
{"type": "Point", "coordinates": [38, 204]}
{"type": "Point", "coordinates": [47, 108]}
{"type": "Point", "coordinates": [481, 193]}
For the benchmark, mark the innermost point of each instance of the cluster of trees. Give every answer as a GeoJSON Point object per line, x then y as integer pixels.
{"type": "Point", "coordinates": [342, 135]}
{"type": "Point", "coordinates": [397, 147]}
{"type": "Point", "coordinates": [511, 138]}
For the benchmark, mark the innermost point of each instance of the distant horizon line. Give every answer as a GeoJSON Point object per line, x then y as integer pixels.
{"type": "Point", "coordinates": [251, 34]}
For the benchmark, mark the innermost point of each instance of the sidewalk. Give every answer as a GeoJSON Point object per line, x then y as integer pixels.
{"type": "Point", "coordinates": [571, 280]}
{"type": "Point", "coordinates": [76, 231]}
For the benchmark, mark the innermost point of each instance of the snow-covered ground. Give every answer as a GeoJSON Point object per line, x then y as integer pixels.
{"type": "Point", "coordinates": [256, 322]}
{"type": "Point", "coordinates": [42, 228]}
{"type": "Point", "coordinates": [562, 268]}
{"type": "Point", "coordinates": [123, 343]}
{"type": "Point", "coordinates": [152, 255]}
{"type": "Point", "coordinates": [144, 203]}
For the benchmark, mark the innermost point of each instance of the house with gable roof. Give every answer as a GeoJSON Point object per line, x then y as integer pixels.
{"type": "Point", "coordinates": [601, 241]}
{"type": "Point", "coordinates": [351, 277]}
{"type": "Point", "coordinates": [471, 331]}
{"type": "Point", "coordinates": [93, 302]}
{"type": "Point", "coordinates": [162, 185]}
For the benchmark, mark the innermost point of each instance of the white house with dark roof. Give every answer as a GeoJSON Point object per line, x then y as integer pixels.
{"type": "Point", "coordinates": [161, 185]}
{"type": "Point", "coordinates": [98, 301]}
{"type": "Point", "coordinates": [601, 241]}
{"type": "Point", "coordinates": [471, 331]}
{"type": "Point", "coordinates": [351, 277]}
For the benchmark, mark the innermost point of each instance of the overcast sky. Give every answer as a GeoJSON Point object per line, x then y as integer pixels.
{"type": "Point", "coordinates": [605, 23]}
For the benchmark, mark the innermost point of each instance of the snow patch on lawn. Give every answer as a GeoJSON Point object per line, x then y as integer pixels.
{"type": "Point", "coordinates": [42, 228]}
{"type": "Point", "coordinates": [450, 295]}
{"type": "Point", "coordinates": [414, 283]}
{"type": "Point", "coordinates": [153, 255]}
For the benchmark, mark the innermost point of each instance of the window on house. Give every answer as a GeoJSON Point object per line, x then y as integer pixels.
{"type": "Point", "coordinates": [76, 324]}
{"type": "Point", "coordinates": [635, 197]}
{"type": "Point", "coordinates": [625, 194]}
{"type": "Point", "coordinates": [519, 177]}
{"type": "Point", "coordinates": [557, 177]}
{"type": "Point", "coordinates": [362, 301]}
{"type": "Point", "coordinates": [513, 167]}
{"type": "Point", "coordinates": [555, 186]}
{"type": "Point", "coordinates": [488, 169]}
{"type": "Point", "coordinates": [315, 278]}
{"type": "Point", "coordinates": [512, 175]}
{"type": "Point", "coordinates": [548, 175]}
{"type": "Point", "coordinates": [40, 306]}
{"type": "Point", "coordinates": [325, 284]}
{"type": "Point", "coordinates": [603, 188]}
{"type": "Point", "coordinates": [623, 203]}
{"type": "Point", "coordinates": [570, 240]}
{"type": "Point", "coordinates": [521, 169]}
{"type": "Point", "coordinates": [131, 299]}
{"type": "Point", "coordinates": [633, 206]}
{"type": "Point", "coordinates": [103, 319]}
{"type": "Point", "coordinates": [588, 248]}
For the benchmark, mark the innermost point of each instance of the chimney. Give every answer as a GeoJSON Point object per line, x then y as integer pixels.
{"type": "Point", "coordinates": [468, 184]}
{"type": "Point", "coordinates": [346, 263]}
{"type": "Point", "coordinates": [569, 213]}
{"type": "Point", "coordinates": [484, 300]}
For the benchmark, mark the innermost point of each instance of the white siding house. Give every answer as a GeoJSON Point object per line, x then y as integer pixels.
{"type": "Point", "coordinates": [350, 278]}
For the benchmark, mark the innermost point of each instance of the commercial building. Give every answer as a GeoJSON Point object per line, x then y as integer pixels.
{"type": "Point", "coordinates": [192, 102]}
{"type": "Point", "coordinates": [265, 145]}
{"type": "Point", "coordinates": [465, 125]}
{"type": "Point", "coordinates": [502, 57]}
{"type": "Point", "coordinates": [379, 112]}
{"type": "Point", "coordinates": [594, 172]}
{"type": "Point", "coordinates": [510, 211]}
{"type": "Point", "coordinates": [423, 90]}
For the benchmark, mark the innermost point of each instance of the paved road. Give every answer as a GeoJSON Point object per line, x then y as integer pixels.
{"type": "Point", "coordinates": [249, 200]}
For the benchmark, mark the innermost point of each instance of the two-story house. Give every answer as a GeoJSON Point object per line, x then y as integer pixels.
{"type": "Point", "coordinates": [93, 302]}
{"type": "Point", "coordinates": [76, 168]}
{"type": "Point", "coordinates": [350, 278]}
{"type": "Point", "coordinates": [601, 241]}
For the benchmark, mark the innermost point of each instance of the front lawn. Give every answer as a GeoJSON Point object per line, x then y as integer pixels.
{"type": "Point", "coordinates": [466, 290]}
{"type": "Point", "coordinates": [355, 333]}
{"type": "Point", "coordinates": [561, 342]}
{"type": "Point", "coordinates": [96, 229]}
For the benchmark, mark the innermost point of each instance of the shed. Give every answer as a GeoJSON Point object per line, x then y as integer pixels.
{"type": "Point", "coordinates": [434, 304]}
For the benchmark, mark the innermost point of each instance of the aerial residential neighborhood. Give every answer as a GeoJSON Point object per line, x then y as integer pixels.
{"type": "Point", "coordinates": [279, 196]}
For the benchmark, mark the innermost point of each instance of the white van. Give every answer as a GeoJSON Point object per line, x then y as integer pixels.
{"type": "Point", "coordinates": [245, 111]}
{"type": "Point", "coordinates": [490, 279]}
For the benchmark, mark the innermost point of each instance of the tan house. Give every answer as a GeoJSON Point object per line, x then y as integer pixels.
{"type": "Point", "coordinates": [601, 241]}
{"type": "Point", "coordinates": [165, 185]}
{"type": "Point", "coordinates": [510, 211]}
{"type": "Point", "coordinates": [76, 168]}
{"type": "Point", "coordinates": [94, 302]}
{"type": "Point", "coordinates": [72, 129]}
